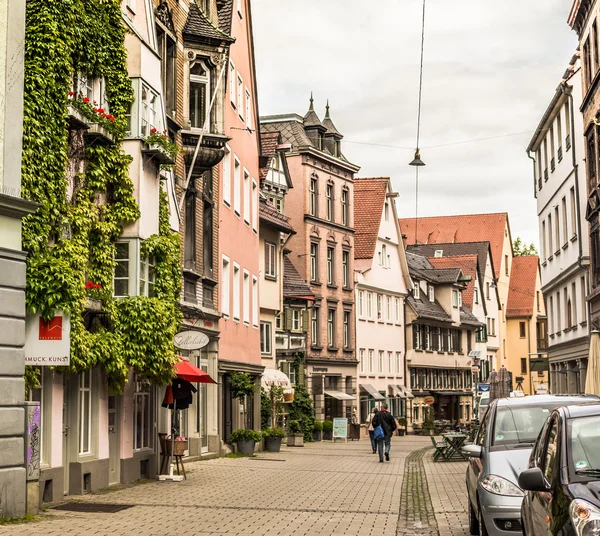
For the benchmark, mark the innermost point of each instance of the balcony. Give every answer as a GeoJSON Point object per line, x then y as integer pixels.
{"type": "Point", "coordinates": [157, 153]}
{"type": "Point", "coordinates": [210, 153]}
{"type": "Point", "coordinates": [98, 134]}
{"type": "Point", "coordinates": [77, 121]}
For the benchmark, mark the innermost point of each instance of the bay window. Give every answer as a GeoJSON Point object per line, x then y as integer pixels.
{"type": "Point", "coordinates": [199, 94]}
{"type": "Point", "coordinates": [122, 270]}
{"type": "Point", "coordinates": [147, 276]}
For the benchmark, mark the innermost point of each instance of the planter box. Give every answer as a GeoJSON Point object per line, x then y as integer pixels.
{"type": "Point", "coordinates": [245, 447]}
{"type": "Point", "coordinates": [77, 120]}
{"type": "Point", "coordinates": [158, 153]}
{"type": "Point", "coordinates": [317, 435]}
{"type": "Point", "coordinates": [96, 133]}
{"type": "Point", "coordinates": [400, 431]}
{"type": "Point", "coordinates": [327, 436]}
{"type": "Point", "coordinates": [92, 304]}
{"type": "Point", "coordinates": [273, 444]}
{"type": "Point", "coordinates": [295, 440]}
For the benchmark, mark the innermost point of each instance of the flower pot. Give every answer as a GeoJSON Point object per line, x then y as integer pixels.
{"type": "Point", "coordinates": [400, 431]}
{"type": "Point", "coordinates": [245, 447]}
{"type": "Point", "coordinates": [288, 397]}
{"type": "Point", "coordinates": [317, 435]}
{"type": "Point", "coordinates": [273, 444]}
{"type": "Point", "coordinates": [327, 436]}
{"type": "Point", "coordinates": [295, 440]}
{"type": "Point", "coordinates": [158, 153]}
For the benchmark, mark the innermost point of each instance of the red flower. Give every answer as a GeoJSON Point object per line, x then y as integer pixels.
{"type": "Point", "coordinates": [86, 100]}
{"type": "Point", "coordinates": [100, 110]}
{"type": "Point", "coordinates": [89, 285]}
{"type": "Point", "coordinates": [164, 137]}
{"type": "Point", "coordinates": [70, 93]}
{"type": "Point", "coordinates": [97, 285]}
{"type": "Point", "coordinates": [153, 130]}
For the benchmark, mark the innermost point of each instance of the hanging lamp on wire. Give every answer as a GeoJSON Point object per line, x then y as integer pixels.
{"type": "Point", "coordinates": [417, 159]}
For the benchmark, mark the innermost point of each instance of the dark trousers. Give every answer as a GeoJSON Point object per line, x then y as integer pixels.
{"type": "Point", "coordinates": [373, 442]}
{"type": "Point", "coordinates": [387, 440]}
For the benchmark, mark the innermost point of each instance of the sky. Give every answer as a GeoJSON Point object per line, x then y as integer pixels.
{"type": "Point", "coordinates": [490, 70]}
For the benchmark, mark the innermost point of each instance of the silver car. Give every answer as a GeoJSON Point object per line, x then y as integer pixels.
{"type": "Point", "coordinates": [499, 454]}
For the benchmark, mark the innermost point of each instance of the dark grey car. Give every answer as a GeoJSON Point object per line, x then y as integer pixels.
{"type": "Point", "coordinates": [500, 453]}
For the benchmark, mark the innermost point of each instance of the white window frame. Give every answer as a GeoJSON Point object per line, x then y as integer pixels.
{"type": "Point", "coordinates": [369, 305]}
{"type": "Point", "coordinates": [314, 326]}
{"type": "Point", "coordinates": [431, 293]}
{"type": "Point", "coordinates": [254, 202]}
{"type": "Point", "coordinates": [225, 285]}
{"type": "Point", "coordinates": [371, 352]}
{"type": "Point", "coordinates": [344, 202]}
{"type": "Point", "coordinates": [147, 276]}
{"type": "Point", "coordinates": [248, 109]}
{"type": "Point", "coordinates": [144, 398]}
{"type": "Point", "coordinates": [345, 268]}
{"type": "Point", "coordinates": [330, 328]}
{"type": "Point", "coordinates": [380, 307]}
{"type": "Point", "coordinates": [240, 96]}
{"type": "Point", "coordinates": [416, 291]}
{"type": "Point", "coordinates": [346, 319]}
{"type": "Point", "coordinates": [232, 86]}
{"type": "Point", "coordinates": [397, 306]}
{"type": "Point", "coordinates": [237, 183]}
{"type": "Point", "coordinates": [266, 338]}
{"type": "Point", "coordinates": [270, 259]}
{"type": "Point", "coordinates": [330, 265]}
{"type": "Point", "coordinates": [380, 361]}
{"type": "Point", "coordinates": [390, 362]}
{"type": "Point", "coordinates": [312, 208]}
{"type": "Point", "coordinates": [205, 80]}
{"type": "Point", "coordinates": [85, 413]}
{"type": "Point", "coordinates": [361, 353]}
{"type": "Point", "coordinates": [398, 362]}
{"type": "Point", "coordinates": [476, 295]}
{"type": "Point", "coordinates": [329, 203]}
{"type": "Point", "coordinates": [254, 301]}
{"type": "Point", "coordinates": [236, 291]}
{"type": "Point", "coordinates": [296, 319]}
{"type": "Point", "coordinates": [383, 258]}
{"type": "Point", "coordinates": [455, 298]}
{"type": "Point", "coordinates": [227, 176]}
{"type": "Point", "coordinates": [127, 260]}
{"type": "Point", "coordinates": [246, 197]}
{"type": "Point", "coordinates": [361, 303]}
{"type": "Point", "coordinates": [246, 297]}
{"type": "Point", "coordinates": [314, 262]}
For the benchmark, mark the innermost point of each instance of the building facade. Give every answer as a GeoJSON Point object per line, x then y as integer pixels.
{"type": "Point", "coordinates": [560, 189]}
{"type": "Point", "coordinates": [321, 212]}
{"type": "Point", "coordinates": [381, 286]}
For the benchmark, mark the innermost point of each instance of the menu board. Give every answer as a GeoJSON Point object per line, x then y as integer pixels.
{"type": "Point", "coordinates": [340, 428]}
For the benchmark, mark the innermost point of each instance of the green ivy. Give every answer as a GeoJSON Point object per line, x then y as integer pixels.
{"type": "Point", "coordinates": [63, 38]}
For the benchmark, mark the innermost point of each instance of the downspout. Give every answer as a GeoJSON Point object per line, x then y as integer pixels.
{"type": "Point", "coordinates": [533, 160]}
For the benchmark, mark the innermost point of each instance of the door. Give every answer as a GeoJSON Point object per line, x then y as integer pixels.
{"type": "Point", "coordinates": [227, 409]}
{"type": "Point", "coordinates": [114, 458]}
{"type": "Point", "coordinates": [475, 467]}
{"type": "Point", "coordinates": [202, 408]}
{"type": "Point", "coordinates": [65, 436]}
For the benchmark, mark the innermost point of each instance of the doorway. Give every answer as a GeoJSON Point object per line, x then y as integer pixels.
{"type": "Point", "coordinates": [114, 458]}
{"type": "Point", "coordinates": [65, 435]}
{"type": "Point", "coordinates": [227, 409]}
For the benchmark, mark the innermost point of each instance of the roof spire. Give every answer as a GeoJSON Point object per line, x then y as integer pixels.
{"type": "Point", "coordinates": [311, 108]}
{"type": "Point", "coordinates": [327, 110]}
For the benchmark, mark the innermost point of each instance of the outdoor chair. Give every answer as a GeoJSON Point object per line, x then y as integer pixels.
{"type": "Point", "coordinates": [164, 457]}
{"type": "Point", "coordinates": [440, 447]}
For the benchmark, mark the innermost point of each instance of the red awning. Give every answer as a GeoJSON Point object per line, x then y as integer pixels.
{"type": "Point", "coordinates": [186, 371]}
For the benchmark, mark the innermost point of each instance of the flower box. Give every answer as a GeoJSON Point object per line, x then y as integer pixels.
{"type": "Point", "coordinates": [98, 134]}
{"type": "Point", "coordinates": [158, 153]}
{"type": "Point", "coordinates": [177, 447]}
{"type": "Point", "coordinates": [77, 120]}
{"type": "Point", "coordinates": [295, 440]}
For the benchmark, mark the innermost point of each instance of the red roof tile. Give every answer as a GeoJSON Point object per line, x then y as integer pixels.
{"type": "Point", "coordinates": [268, 143]}
{"type": "Point", "coordinates": [369, 198]}
{"type": "Point", "coordinates": [460, 228]}
{"type": "Point", "coordinates": [468, 267]}
{"type": "Point", "coordinates": [521, 292]}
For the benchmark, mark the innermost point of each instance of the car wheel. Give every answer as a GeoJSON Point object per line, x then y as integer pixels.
{"type": "Point", "coordinates": [482, 530]}
{"type": "Point", "coordinates": [473, 521]}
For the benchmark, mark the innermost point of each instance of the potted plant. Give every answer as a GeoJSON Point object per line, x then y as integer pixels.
{"type": "Point", "coordinates": [327, 430]}
{"type": "Point", "coordinates": [317, 430]}
{"type": "Point", "coordinates": [273, 437]}
{"type": "Point", "coordinates": [295, 435]}
{"type": "Point", "coordinates": [245, 440]}
{"type": "Point", "coordinates": [402, 423]}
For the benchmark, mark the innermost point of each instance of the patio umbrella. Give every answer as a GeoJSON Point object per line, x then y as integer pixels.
{"type": "Point", "coordinates": [494, 387]}
{"type": "Point", "coordinates": [186, 371]}
{"type": "Point", "coordinates": [592, 379]}
{"type": "Point", "coordinates": [504, 383]}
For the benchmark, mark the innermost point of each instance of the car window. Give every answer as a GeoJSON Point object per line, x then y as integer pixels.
{"type": "Point", "coordinates": [482, 429]}
{"type": "Point", "coordinates": [551, 451]}
{"type": "Point", "coordinates": [538, 449]}
{"type": "Point", "coordinates": [583, 451]}
{"type": "Point", "coordinates": [515, 424]}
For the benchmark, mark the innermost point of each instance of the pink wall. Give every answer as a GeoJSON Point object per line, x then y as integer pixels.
{"type": "Point", "coordinates": [237, 240]}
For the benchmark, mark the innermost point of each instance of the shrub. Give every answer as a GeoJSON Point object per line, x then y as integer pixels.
{"type": "Point", "coordinates": [302, 410]}
{"type": "Point", "coordinates": [245, 435]}
{"type": "Point", "coordinates": [327, 426]}
{"type": "Point", "coordinates": [402, 422]}
{"type": "Point", "coordinates": [273, 432]}
{"type": "Point", "coordinates": [318, 426]}
{"type": "Point", "coordinates": [294, 427]}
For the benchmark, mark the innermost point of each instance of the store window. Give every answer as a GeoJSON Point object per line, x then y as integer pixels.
{"type": "Point", "coordinates": [85, 412]}
{"type": "Point", "coordinates": [142, 414]}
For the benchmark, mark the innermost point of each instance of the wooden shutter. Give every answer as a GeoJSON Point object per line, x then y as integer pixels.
{"type": "Point", "coordinates": [305, 320]}
{"type": "Point", "coordinates": [288, 319]}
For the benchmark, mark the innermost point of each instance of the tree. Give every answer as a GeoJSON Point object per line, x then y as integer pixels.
{"type": "Point", "coordinates": [520, 248]}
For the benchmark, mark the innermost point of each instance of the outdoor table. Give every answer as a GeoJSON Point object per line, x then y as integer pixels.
{"type": "Point", "coordinates": [454, 442]}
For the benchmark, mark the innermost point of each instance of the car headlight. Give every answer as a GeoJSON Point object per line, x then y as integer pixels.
{"type": "Point", "coordinates": [500, 486]}
{"type": "Point", "coordinates": [585, 518]}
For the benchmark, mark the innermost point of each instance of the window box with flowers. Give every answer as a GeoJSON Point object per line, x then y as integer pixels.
{"type": "Point", "coordinates": [160, 148]}
{"type": "Point", "coordinates": [92, 299]}
{"type": "Point", "coordinates": [100, 125]}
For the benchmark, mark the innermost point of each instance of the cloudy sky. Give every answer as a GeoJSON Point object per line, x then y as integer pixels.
{"type": "Point", "coordinates": [490, 70]}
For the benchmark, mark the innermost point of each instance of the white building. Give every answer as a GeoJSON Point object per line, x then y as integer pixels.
{"type": "Point", "coordinates": [381, 284]}
{"type": "Point", "coordinates": [558, 151]}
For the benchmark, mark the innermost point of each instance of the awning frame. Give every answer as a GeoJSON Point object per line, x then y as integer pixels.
{"type": "Point", "coordinates": [339, 395]}
{"type": "Point", "coordinates": [370, 389]}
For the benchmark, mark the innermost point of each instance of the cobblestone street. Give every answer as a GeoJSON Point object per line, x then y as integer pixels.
{"type": "Point", "coordinates": [319, 489]}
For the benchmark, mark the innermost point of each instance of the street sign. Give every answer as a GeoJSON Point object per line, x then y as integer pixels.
{"type": "Point", "coordinates": [429, 400]}
{"type": "Point", "coordinates": [48, 342]}
{"type": "Point", "coordinates": [190, 340]}
{"type": "Point", "coordinates": [483, 387]}
{"type": "Point", "coordinates": [340, 428]}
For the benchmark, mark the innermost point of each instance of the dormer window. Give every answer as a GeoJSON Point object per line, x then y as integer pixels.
{"type": "Point", "coordinates": [439, 253]}
{"type": "Point", "coordinates": [199, 89]}
{"type": "Point", "coordinates": [416, 291]}
{"type": "Point", "coordinates": [431, 293]}
{"type": "Point", "coordinates": [455, 299]}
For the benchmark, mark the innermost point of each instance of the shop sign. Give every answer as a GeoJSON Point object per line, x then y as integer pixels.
{"type": "Point", "coordinates": [483, 387]}
{"type": "Point", "coordinates": [190, 340]}
{"type": "Point", "coordinates": [541, 389]}
{"type": "Point", "coordinates": [320, 369]}
{"type": "Point", "coordinates": [48, 343]}
{"type": "Point", "coordinates": [429, 400]}
{"type": "Point", "coordinates": [340, 428]}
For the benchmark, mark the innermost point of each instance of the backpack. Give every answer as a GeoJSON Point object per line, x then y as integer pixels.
{"type": "Point", "coordinates": [378, 433]}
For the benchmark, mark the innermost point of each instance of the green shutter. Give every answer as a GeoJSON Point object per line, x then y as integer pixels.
{"type": "Point", "coordinates": [288, 319]}
{"type": "Point", "coordinates": [305, 320]}
{"type": "Point", "coordinates": [300, 380]}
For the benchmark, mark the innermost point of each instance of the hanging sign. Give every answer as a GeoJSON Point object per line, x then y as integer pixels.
{"type": "Point", "coordinates": [48, 343]}
{"type": "Point", "coordinates": [340, 428]}
{"type": "Point", "coordinates": [429, 400]}
{"type": "Point", "coordinates": [190, 340]}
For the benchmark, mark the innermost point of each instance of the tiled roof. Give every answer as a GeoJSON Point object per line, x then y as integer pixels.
{"type": "Point", "coordinates": [328, 123]}
{"type": "Point", "coordinates": [467, 317]}
{"type": "Point", "coordinates": [468, 267]}
{"type": "Point", "coordinates": [268, 143]}
{"type": "Point", "coordinates": [521, 291]}
{"type": "Point", "coordinates": [461, 228]}
{"type": "Point", "coordinates": [311, 119]}
{"type": "Point", "coordinates": [420, 268]}
{"type": "Point", "coordinates": [294, 287]}
{"type": "Point", "coordinates": [198, 26]}
{"type": "Point", "coordinates": [291, 132]}
{"type": "Point", "coordinates": [369, 198]}
{"type": "Point", "coordinates": [225, 11]}
{"type": "Point", "coordinates": [271, 216]}
{"type": "Point", "coordinates": [426, 309]}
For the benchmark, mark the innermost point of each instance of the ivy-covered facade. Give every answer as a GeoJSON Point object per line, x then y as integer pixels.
{"type": "Point", "coordinates": [103, 254]}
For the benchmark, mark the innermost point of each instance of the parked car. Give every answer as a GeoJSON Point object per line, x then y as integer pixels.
{"type": "Point", "coordinates": [482, 404]}
{"type": "Point", "coordinates": [499, 454]}
{"type": "Point", "coordinates": [562, 484]}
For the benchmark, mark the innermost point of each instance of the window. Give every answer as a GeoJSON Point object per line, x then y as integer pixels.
{"type": "Point", "coordinates": [573, 212]}
{"type": "Point", "coordinates": [225, 286]}
{"type": "Point", "coordinates": [369, 305]}
{"type": "Point", "coordinates": [314, 326]}
{"type": "Point", "coordinates": [476, 295]}
{"type": "Point", "coordinates": [559, 135]}
{"type": "Point", "coordinates": [246, 297]}
{"type": "Point", "coordinates": [390, 362]}
{"type": "Point", "coordinates": [270, 260]}
{"type": "Point", "coordinates": [416, 290]}
{"type": "Point", "coordinates": [121, 278]}
{"type": "Point", "coordinates": [417, 342]}
{"type": "Point", "coordinates": [254, 203]}
{"type": "Point", "coordinates": [329, 196]}
{"type": "Point", "coordinates": [544, 256]}
{"type": "Point", "coordinates": [207, 227]}
{"type": "Point", "coordinates": [346, 269]}
{"type": "Point", "coordinates": [330, 266]}
{"type": "Point", "coordinates": [313, 197]}
{"type": "Point", "coordinates": [522, 333]}
{"type": "Point", "coordinates": [346, 329]}
{"type": "Point", "coordinates": [331, 328]}
{"type": "Point", "coordinates": [149, 102]}
{"type": "Point", "coordinates": [397, 307]}
{"type": "Point", "coordinates": [199, 92]}
{"type": "Point", "coordinates": [564, 222]}
{"type": "Point", "coordinates": [551, 315]}
{"type": "Point", "coordinates": [236, 292]}
{"type": "Point", "coordinates": [398, 362]}
{"type": "Point", "coordinates": [248, 110]}
{"type": "Point", "coordinates": [371, 361]}
{"type": "Point", "coordinates": [556, 229]}
{"type": "Point", "coordinates": [296, 319]}
{"type": "Point", "coordinates": [227, 177]}
{"type": "Point", "coordinates": [551, 135]}
{"type": "Point", "coordinates": [314, 262]}
{"type": "Point", "coordinates": [237, 178]}
{"type": "Point", "coordinates": [583, 300]}
{"type": "Point", "coordinates": [386, 211]}
{"type": "Point", "coordinates": [558, 316]}
{"type": "Point", "coordinates": [388, 312]}
{"type": "Point", "coordinates": [361, 353]}
{"type": "Point", "coordinates": [167, 49]}
{"type": "Point", "coordinates": [255, 301]}
{"type": "Point", "coordinates": [587, 62]}
{"type": "Point", "coordinates": [189, 246]}
{"type": "Point", "coordinates": [568, 313]}
{"type": "Point", "coordinates": [550, 250]}
{"type": "Point", "coordinates": [545, 159]}
{"type": "Point", "coordinates": [240, 97]}
{"type": "Point", "coordinates": [567, 125]}
{"type": "Point", "coordinates": [147, 276]}
{"type": "Point", "coordinates": [383, 256]}
{"type": "Point", "coordinates": [85, 412]}
{"type": "Point", "coordinates": [455, 299]}
{"type": "Point", "coordinates": [142, 415]}
{"type": "Point", "coordinates": [361, 304]}
{"type": "Point", "coordinates": [481, 334]}
{"type": "Point", "coordinates": [246, 197]}
{"type": "Point", "coordinates": [415, 412]}
{"type": "Point", "coordinates": [344, 207]}
{"type": "Point", "coordinates": [431, 293]}
{"type": "Point", "coordinates": [232, 79]}
{"type": "Point", "coordinates": [590, 162]}
{"type": "Point", "coordinates": [380, 362]}
{"type": "Point", "coordinates": [551, 452]}
{"type": "Point", "coordinates": [265, 338]}
{"type": "Point", "coordinates": [379, 306]}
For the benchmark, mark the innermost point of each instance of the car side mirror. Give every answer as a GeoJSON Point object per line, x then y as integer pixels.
{"type": "Point", "coordinates": [472, 451]}
{"type": "Point", "coordinates": [533, 480]}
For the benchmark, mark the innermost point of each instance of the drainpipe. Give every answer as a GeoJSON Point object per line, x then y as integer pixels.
{"type": "Point", "coordinates": [533, 162]}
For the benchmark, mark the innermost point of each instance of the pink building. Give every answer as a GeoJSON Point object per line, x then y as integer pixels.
{"type": "Point", "coordinates": [239, 346]}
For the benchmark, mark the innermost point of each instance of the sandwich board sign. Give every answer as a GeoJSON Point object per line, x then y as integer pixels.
{"type": "Point", "coordinates": [340, 429]}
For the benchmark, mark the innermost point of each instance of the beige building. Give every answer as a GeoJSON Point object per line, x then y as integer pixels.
{"type": "Point", "coordinates": [320, 211]}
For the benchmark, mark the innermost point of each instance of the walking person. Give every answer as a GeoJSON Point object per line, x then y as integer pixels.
{"type": "Point", "coordinates": [386, 420]}
{"type": "Point", "coordinates": [370, 429]}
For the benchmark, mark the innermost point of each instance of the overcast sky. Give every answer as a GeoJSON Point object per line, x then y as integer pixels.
{"type": "Point", "coordinates": [490, 69]}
